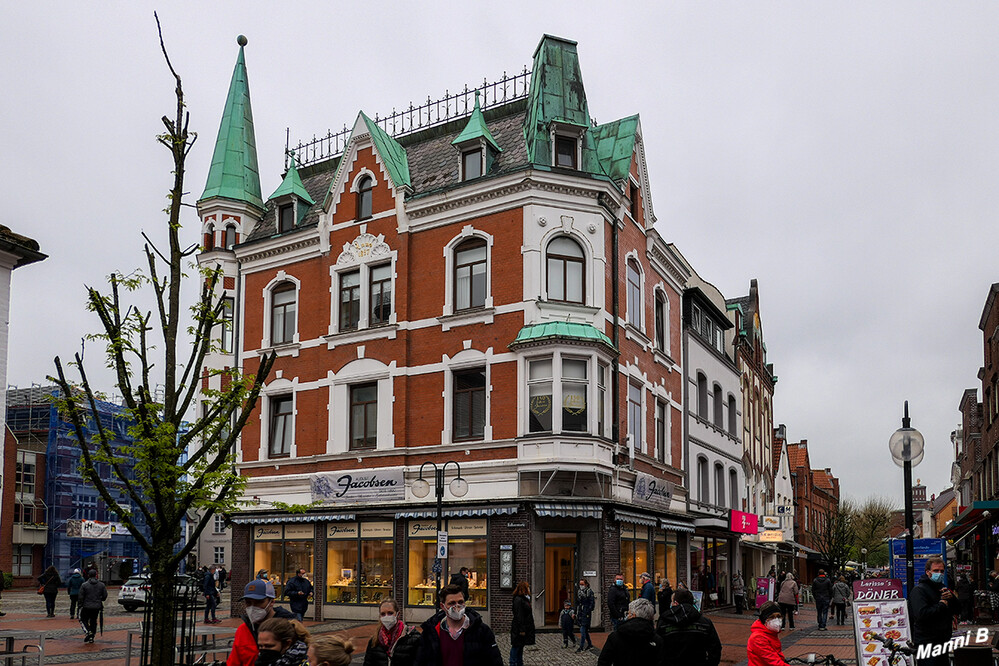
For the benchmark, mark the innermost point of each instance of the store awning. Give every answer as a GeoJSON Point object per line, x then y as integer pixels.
{"type": "Point", "coordinates": [551, 510]}
{"type": "Point", "coordinates": [805, 549]}
{"type": "Point", "coordinates": [460, 512]}
{"type": "Point", "coordinates": [291, 518]}
{"type": "Point", "coordinates": [636, 518]}
{"type": "Point", "coordinates": [969, 519]}
{"type": "Point", "coordinates": [676, 526]}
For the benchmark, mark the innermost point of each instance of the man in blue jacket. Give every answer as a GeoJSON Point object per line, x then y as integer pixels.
{"type": "Point", "coordinates": [298, 590]}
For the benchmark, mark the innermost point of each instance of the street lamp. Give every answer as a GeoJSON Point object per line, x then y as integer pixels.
{"type": "Point", "coordinates": [863, 563]}
{"type": "Point", "coordinates": [906, 446]}
{"type": "Point", "coordinates": [421, 488]}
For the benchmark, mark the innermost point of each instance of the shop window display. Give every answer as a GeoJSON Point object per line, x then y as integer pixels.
{"type": "Point", "coordinates": [359, 563]}
{"type": "Point", "coordinates": [283, 550]}
{"type": "Point", "coordinates": [467, 547]}
{"type": "Point", "coordinates": [666, 561]}
{"type": "Point", "coordinates": [634, 555]}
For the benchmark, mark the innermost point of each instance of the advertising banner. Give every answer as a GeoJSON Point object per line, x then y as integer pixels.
{"type": "Point", "coordinates": [772, 536]}
{"type": "Point", "coordinates": [764, 590]}
{"type": "Point", "coordinates": [94, 529]}
{"type": "Point", "coordinates": [771, 522]}
{"type": "Point", "coordinates": [879, 608]}
{"type": "Point", "coordinates": [744, 523]}
{"type": "Point", "coordinates": [650, 491]}
{"type": "Point", "coordinates": [359, 487]}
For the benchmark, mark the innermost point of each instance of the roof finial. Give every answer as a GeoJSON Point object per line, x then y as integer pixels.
{"type": "Point", "coordinates": [241, 40]}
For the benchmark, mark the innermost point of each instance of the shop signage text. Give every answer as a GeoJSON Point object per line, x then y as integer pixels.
{"type": "Point", "coordinates": [652, 491]}
{"type": "Point", "coordinates": [300, 531]}
{"type": "Point", "coordinates": [268, 532]}
{"type": "Point", "coordinates": [772, 536]}
{"type": "Point", "coordinates": [744, 523]}
{"type": "Point", "coordinates": [354, 487]}
{"type": "Point", "coordinates": [771, 522]}
{"type": "Point", "coordinates": [341, 531]}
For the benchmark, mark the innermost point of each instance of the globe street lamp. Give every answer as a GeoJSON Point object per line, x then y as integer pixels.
{"type": "Point", "coordinates": [906, 446]}
{"type": "Point", "coordinates": [421, 488]}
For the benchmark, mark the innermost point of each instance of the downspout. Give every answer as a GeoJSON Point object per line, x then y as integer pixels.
{"type": "Point", "coordinates": [615, 304]}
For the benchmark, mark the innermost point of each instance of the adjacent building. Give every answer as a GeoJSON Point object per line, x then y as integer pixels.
{"type": "Point", "coordinates": [816, 497]}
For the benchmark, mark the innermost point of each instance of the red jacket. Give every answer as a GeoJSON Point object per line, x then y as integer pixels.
{"type": "Point", "coordinates": [764, 647]}
{"type": "Point", "coordinates": [244, 648]}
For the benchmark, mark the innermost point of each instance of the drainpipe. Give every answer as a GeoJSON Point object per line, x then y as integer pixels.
{"type": "Point", "coordinates": [615, 306]}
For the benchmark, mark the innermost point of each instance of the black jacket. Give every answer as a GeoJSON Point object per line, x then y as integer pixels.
{"type": "Point", "coordinates": [822, 588]}
{"type": "Point", "coordinates": [635, 642]}
{"type": "Point", "coordinates": [931, 618]}
{"type": "Point", "coordinates": [405, 653]}
{"type": "Point", "coordinates": [298, 590]}
{"type": "Point", "coordinates": [585, 603]}
{"type": "Point", "coordinates": [93, 594]}
{"type": "Point", "coordinates": [51, 582]}
{"type": "Point", "coordinates": [480, 642]}
{"type": "Point", "coordinates": [617, 601]}
{"type": "Point", "coordinates": [688, 637]}
{"type": "Point", "coordinates": [665, 598]}
{"type": "Point", "coordinates": [522, 624]}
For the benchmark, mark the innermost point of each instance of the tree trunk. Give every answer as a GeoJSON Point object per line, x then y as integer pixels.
{"type": "Point", "coordinates": [162, 634]}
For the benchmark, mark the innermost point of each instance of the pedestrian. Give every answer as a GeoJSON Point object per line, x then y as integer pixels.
{"type": "Point", "coordinates": [841, 594]}
{"type": "Point", "coordinates": [965, 596]}
{"type": "Point", "coordinates": [93, 594]}
{"type": "Point", "coordinates": [763, 647]}
{"type": "Point", "coordinates": [330, 651]}
{"type": "Point", "coordinates": [262, 574]}
{"type": "Point", "coordinates": [773, 571]}
{"type": "Point", "coordinates": [688, 636]}
{"type": "Point", "coordinates": [648, 590]}
{"type": "Point", "coordinates": [586, 603]}
{"type": "Point", "coordinates": [461, 580]}
{"type": "Point", "coordinates": [522, 624]}
{"type": "Point", "coordinates": [49, 583]}
{"type": "Point", "coordinates": [298, 590]}
{"type": "Point", "coordinates": [393, 644]}
{"type": "Point", "coordinates": [282, 642]}
{"type": "Point", "coordinates": [617, 600]}
{"type": "Point", "coordinates": [73, 588]}
{"type": "Point", "coordinates": [457, 636]}
{"type": "Point", "coordinates": [567, 621]}
{"type": "Point", "coordinates": [931, 611]}
{"type": "Point", "coordinates": [822, 593]}
{"type": "Point", "coordinates": [258, 598]}
{"type": "Point", "coordinates": [635, 641]}
{"type": "Point", "coordinates": [665, 595]}
{"type": "Point", "coordinates": [211, 596]}
{"type": "Point", "coordinates": [739, 592]}
{"type": "Point", "coordinates": [223, 577]}
{"type": "Point", "coordinates": [788, 599]}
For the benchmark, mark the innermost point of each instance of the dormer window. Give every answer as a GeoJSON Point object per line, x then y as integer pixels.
{"type": "Point", "coordinates": [471, 164]}
{"type": "Point", "coordinates": [566, 151]}
{"type": "Point", "coordinates": [364, 198]}
{"type": "Point", "coordinates": [286, 218]}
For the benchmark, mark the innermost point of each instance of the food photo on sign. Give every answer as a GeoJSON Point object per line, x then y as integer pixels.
{"type": "Point", "coordinates": [880, 617]}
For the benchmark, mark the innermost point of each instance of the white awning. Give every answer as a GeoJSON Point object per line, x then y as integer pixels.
{"type": "Point", "coordinates": [553, 510]}
{"type": "Point", "coordinates": [676, 526]}
{"type": "Point", "coordinates": [460, 512]}
{"type": "Point", "coordinates": [636, 518]}
{"type": "Point", "coordinates": [291, 518]}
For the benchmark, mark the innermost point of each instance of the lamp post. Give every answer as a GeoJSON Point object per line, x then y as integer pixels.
{"type": "Point", "coordinates": [421, 488]}
{"type": "Point", "coordinates": [863, 563]}
{"type": "Point", "coordinates": [906, 446]}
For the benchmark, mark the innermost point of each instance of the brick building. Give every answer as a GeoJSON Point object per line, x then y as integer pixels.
{"type": "Point", "coordinates": [488, 289]}
{"type": "Point", "coordinates": [816, 499]}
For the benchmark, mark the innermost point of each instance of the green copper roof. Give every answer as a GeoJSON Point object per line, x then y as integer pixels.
{"type": "Point", "coordinates": [391, 152]}
{"type": "Point", "coordinates": [556, 94]}
{"type": "Point", "coordinates": [614, 144]}
{"type": "Point", "coordinates": [476, 129]}
{"type": "Point", "coordinates": [233, 174]}
{"type": "Point", "coordinates": [292, 184]}
{"type": "Point", "coordinates": [561, 330]}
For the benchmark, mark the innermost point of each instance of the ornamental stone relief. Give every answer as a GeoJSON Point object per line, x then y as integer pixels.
{"type": "Point", "coordinates": [363, 248]}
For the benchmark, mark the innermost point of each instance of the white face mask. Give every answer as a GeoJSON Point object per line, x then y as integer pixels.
{"type": "Point", "coordinates": [456, 613]}
{"type": "Point", "coordinates": [256, 614]}
{"type": "Point", "coordinates": [389, 621]}
{"type": "Point", "coordinates": [774, 625]}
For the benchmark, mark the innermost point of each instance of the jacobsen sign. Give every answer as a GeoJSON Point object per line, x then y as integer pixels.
{"type": "Point", "coordinates": [357, 487]}
{"type": "Point", "coordinates": [652, 491]}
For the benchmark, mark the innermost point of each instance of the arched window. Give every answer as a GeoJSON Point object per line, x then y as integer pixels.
{"type": "Point", "coordinates": [566, 271]}
{"type": "Point", "coordinates": [634, 294]}
{"type": "Point", "coordinates": [230, 236]}
{"type": "Point", "coordinates": [733, 489]}
{"type": "Point", "coordinates": [702, 479]}
{"type": "Point", "coordinates": [702, 396]}
{"type": "Point", "coordinates": [210, 238]}
{"type": "Point", "coordinates": [283, 313]}
{"type": "Point", "coordinates": [733, 416]}
{"type": "Point", "coordinates": [719, 407]}
{"type": "Point", "coordinates": [470, 274]}
{"type": "Point", "coordinates": [719, 485]}
{"type": "Point", "coordinates": [364, 198]}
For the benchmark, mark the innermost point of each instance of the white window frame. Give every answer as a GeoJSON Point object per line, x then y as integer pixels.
{"type": "Point", "coordinates": [556, 356]}
{"type": "Point", "coordinates": [219, 555]}
{"type": "Point", "coordinates": [364, 269]}
{"type": "Point", "coordinates": [635, 319]}
{"type": "Point", "coordinates": [637, 434]}
{"type": "Point", "coordinates": [472, 146]}
{"type": "Point", "coordinates": [588, 270]}
{"type": "Point", "coordinates": [227, 339]}
{"type": "Point", "coordinates": [22, 564]}
{"type": "Point", "coordinates": [360, 371]}
{"type": "Point", "coordinates": [268, 296]}
{"type": "Point", "coordinates": [277, 388]}
{"type": "Point", "coordinates": [219, 525]}
{"type": "Point", "coordinates": [570, 132]}
{"type": "Point", "coordinates": [449, 267]}
{"type": "Point", "coordinates": [660, 292]}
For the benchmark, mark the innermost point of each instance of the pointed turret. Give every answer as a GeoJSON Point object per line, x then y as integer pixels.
{"type": "Point", "coordinates": [476, 129]}
{"type": "Point", "coordinates": [233, 174]}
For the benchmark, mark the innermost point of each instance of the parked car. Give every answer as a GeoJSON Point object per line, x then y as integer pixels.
{"type": "Point", "coordinates": [134, 591]}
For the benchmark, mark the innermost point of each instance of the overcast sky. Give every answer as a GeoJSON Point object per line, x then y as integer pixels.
{"type": "Point", "coordinates": [844, 154]}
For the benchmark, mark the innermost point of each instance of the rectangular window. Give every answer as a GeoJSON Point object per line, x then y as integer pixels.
{"type": "Point", "coordinates": [469, 407]}
{"type": "Point", "coordinates": [381, 294]}
{"type": "Point", "coordinates": [565, 151]}
{"type": "Point", "coordinates": [471, 164]}
{"type": "Point", "coordinates": [219, 524]}
{"type": "Point", "coordinates": [574, 389]}
{"type": "Point", "coordinates": [350, 300]}
{"type": "Point", "coordinates": [24, 473]}
{"type": "Point", "coordinates": [635, 204]}
{"type": "Point", "coordinates": [282, 559]}
{"type": "Point", "coordinates": [283, 314]}
{"type": "Point", "coordinates": [227, 324]}
{"type": "Point", "coordinates": [539, 389]}
{"type": "Point", "coordinates": [634, 295]}
{"type": "Point", "coordinates": [635, 416]}
{"type": "Point", "coordinates": [666, 560]}
{"type": "Point", "coordinates": [281, 432]}
{"type": "Point", "coordinates": [470, 275]}
{"type": "Point", "coordinates": [363, 416]}
{"type": "Point", "coordinates": [467, 547]}
{"type": "Point", "coordinates": [22, 560]}
{"type": "Point", "coordinates": [219, 555]}
{"type": "Point", "coordinates": [661, 431]}
{"type": "Point", "coordinates": [661, 324]}
{"type": "Point", "coordinates": [286, 218]}
{"type": "Point", "coordinates": [634, 556]}
{"type": "Point", "coordinates": [602, 371]}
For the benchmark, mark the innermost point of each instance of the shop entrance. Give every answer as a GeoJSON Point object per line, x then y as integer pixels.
{"type": "Point", "coordinates": [561, 551]}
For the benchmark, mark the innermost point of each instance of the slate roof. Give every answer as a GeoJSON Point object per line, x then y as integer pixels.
{"type": "Point", "coordinates": [944, 498]}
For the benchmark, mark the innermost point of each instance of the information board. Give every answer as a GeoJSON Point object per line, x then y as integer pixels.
{"type": "Point", "coordinates": [922, 549]}
{"type": "Point", "coordinates": [764, 590]}
{"type": "Point", "coordinates": [879, 608]}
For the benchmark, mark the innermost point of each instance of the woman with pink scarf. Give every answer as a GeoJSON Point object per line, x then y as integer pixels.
{"type": "Point", "coordinates": [395, 644]}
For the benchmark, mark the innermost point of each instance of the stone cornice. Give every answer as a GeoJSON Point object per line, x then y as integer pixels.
{"type": "Point", "coordinates": [281, 248]}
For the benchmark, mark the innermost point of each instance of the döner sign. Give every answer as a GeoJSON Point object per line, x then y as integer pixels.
{"type": "Point", "coordinates": [354, 488]}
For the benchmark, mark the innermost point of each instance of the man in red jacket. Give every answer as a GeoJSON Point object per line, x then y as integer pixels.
{"type": "Point", "coordinates": [764, 648]}
{"type": "Point", "coordinates": [258, 596]}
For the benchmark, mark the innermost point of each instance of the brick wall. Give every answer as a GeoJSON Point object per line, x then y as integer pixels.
{"type": "Point", "coordinates": [242, 561]}
{"type": "Point", "coordinates": [610, 560]}
{"type": "Point", "coordinates": [500, 601]}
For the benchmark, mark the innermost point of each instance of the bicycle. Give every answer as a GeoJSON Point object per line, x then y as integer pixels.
{"type": "Point", "coordinates": [811, 659]}
{"type": "Point", "coordinates": [895, 650]}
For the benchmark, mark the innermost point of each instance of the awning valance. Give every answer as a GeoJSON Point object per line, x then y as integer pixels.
{"type": "Point", "coordinates": [676, 526]}
{"type": "Point", "coordinates": [969, 519]}
{"type": "Point", "coordinates": [460, 512]}
{"type": "Point", "coordinates": [559, 510]}
{"type": "Point", "coordinates": [636, 518]}
{"type": "Point", "coordinates": [291, 518]}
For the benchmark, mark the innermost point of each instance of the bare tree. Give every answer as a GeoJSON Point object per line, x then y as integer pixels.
{"type": "Point", "coordinates": [872, 520]}
{"type": "Point", "coordinates": [176, 470]}
{"type": "Point", "coordinates": [835, 534]}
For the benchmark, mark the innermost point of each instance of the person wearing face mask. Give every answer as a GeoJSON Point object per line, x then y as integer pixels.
{"type": "Point", "coordinates": [394, 644]}
{"type": "Point", "coordinates": [258, 597]}
{"type": "Point", "coordinates": [634, 642]}
{"type": "Point", "coordinates": [521, 624]}
{"type": "Point", "coordinates": [764, 648]}
{"type": "Point", "coordinates": [585, 603]}
{"type": "Point", "coordinates": [617, 600]}
{"type": "Point", "coordinates": [688, 637]}
{"type": "Point", "coordinates": [931, 611]}
{"type": "Point", "coordinates": [457, 636]}
{"type": "Point", "coordinates": [282, 642]}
